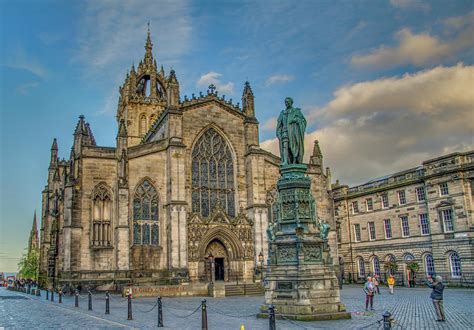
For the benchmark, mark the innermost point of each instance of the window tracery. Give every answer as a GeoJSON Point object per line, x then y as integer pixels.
{"type": "Point", "coordinates": [101, 216]}
{"type": "Point", "coordinates": [145, 215]}
{"type": "Point", "coordinates": [212, 175]}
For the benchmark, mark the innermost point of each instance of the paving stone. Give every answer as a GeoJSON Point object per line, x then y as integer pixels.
{"type": "Point", "coordinates": [411, 309]}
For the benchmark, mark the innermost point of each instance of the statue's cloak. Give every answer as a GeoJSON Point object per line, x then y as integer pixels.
{"type": "Point", "coordinates": [296, 129]}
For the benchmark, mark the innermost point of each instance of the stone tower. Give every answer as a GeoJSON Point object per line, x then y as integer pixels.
{"type": "Point", "coordinates": [144, 95]}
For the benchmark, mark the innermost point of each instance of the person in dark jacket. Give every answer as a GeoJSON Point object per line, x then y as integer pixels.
{"type": "Point", "coordinates": [437, 296]}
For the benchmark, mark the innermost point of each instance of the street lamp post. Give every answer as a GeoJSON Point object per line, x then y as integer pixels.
{"type": "Point", "coordinates": [260, 259]}
{"type": "Point", "coordinates": [211, 266]}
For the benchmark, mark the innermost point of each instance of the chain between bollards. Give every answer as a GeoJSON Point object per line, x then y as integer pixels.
{"type": "Point", "coordinates": [76, 299]}
{"type": "Point", "coordinates": [129, 306]}
{"type": "Point", "coordinates": [107, 302]}
{"type": "Point", "coordinates": [271, 317]}
{"type": "Point", "coordinates": [89, 294]}
{"type": "Point", "coordinates": [204, 314]}
{"type": "Point", "coordinates": [160, 313]}
{"type": "Point", "coordinates": [60, 294]}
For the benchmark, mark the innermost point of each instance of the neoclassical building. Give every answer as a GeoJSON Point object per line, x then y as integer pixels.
{"type": "Point", "coordinates": [423, 215]}
{"type": "Point", "coordinates": [186, 179]}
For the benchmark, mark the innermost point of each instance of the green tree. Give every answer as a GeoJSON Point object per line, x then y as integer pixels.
{"type": "Point", "coordinates": [391, 267]}
{"type": "Point", "coordinates": [413, 266]}
{"type": "Point", "coordinates": [28, 265]}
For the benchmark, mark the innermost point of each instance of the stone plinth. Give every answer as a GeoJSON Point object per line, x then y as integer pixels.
{"type": "Point", "coordinates": [301, 281]}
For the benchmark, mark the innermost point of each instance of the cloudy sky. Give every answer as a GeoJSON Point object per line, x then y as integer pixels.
{"type": "Point", "coordinates": [384, 84]}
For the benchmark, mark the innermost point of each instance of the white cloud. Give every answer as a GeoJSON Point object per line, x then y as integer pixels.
{"type": "Point", "coordinates": [20, 60]}
{"type": "Point", "coordinates": [270, 124]}
{"type": "Point", "coordinates": [422, 48]}
{"type": "Point", "coordinates": [214, 78]}
{"type": "Point", "coordinates": [411, 4]}
{"type": "Point", "coordinates": [114, 32]}
{"type": "Point", "coordinates": [279, 78]}
{"type": "Point", "coordinates": [383, 126]}
{"type": "Point", "coordinates": [23, 89]}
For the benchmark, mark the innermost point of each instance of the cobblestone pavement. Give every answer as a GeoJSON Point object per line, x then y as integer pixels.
{"type": "Point", "coordinates": [411, 308]}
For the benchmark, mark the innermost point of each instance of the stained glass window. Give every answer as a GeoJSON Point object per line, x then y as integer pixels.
{"type": "Point", "coordinates": [145, 215]}
{"type": "Point", "coordinates": [154, 234]}
{"type": "Point", "coordinates": [212, 175]}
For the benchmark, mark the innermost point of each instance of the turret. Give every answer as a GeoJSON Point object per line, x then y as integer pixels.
{"type": "Point", "coordinates": [82, 135]}
{"type": "Point", "coordinates": [172, 89]}
{"type": "Point", "coordinates": [33, 242]}
{"type": "Point", "coordinates": [250, 122]}
{"type": "Point", "coordinates": [54, 154]}
{"type": "Point", "coordinates": [121, 136]}
{"type": "Point", "coordinates": [316, 157]}
{"type": "Point", "coordinates": [248, 101]}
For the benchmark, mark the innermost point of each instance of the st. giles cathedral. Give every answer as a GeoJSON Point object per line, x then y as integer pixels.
{"type": "Point", "coordinates": [186, 180]}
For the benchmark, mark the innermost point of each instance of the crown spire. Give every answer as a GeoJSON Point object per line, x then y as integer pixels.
{"type": "Point", "coordinates": [148, 48]}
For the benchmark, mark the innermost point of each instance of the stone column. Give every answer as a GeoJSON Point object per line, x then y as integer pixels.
{"type": "Point", "coordinates": [122, 230]}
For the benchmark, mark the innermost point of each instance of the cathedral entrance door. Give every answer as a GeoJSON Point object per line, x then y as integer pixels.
{"type": "Point", "coordinates": [219, 269]}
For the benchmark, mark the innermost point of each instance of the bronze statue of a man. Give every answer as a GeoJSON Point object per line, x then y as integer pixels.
{"type": "Point", "coordinates": [290, 130]}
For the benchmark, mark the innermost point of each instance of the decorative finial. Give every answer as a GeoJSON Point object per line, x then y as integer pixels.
{"type": "Point", "coordinates": [212, 88]}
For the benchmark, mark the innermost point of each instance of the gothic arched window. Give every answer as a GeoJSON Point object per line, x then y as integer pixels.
{"type": "Point", "coordinates": [142, 127]}
{"type": "Point", "coordinates": [212, 175]}
{"type": "Point", "coordinates": [101, 216]}
{"type": "Point", "coordinates": [145, 215]}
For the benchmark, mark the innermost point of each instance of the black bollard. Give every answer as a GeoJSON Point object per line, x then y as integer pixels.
{"type": "Point", "coordinates": [60, 294]}
{"type": "Point", "coordinates": [271, 317]}
{"type": "Point", "coordinates": [107, 301]}
{"type": "Point", "coordinates": [90, 300]}
{"type": "Point", "coordinates": [76, 299]}
{"type": "Point", "coordinates": [160, 313]}
{"type": "Point", "coordinates": [28, 289]}
{"type": "Point", "coordinates": [33, 292]}
{"type": "Point", "coordinates": [38, 292]}
{"type": "Point", "coordinates": [204, 314]}
{"type": "Point", "coordinates": [129, 297]}
{"type": "Point", "coordinates": [47, 294]}
{"type": "Point", "coordinates": [387, 324]}
{"type": "Point", "coordinates": [52, 294]}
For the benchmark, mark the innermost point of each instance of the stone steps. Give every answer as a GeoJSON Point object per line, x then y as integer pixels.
{"type": "Point", "coordinates": [243, 289]}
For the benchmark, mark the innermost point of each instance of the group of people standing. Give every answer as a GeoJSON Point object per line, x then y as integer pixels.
{"type": "Point", "coordinates": [371, 287]}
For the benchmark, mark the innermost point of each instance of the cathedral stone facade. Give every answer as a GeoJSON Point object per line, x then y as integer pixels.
{"type": "Point", "coordinates": [186, 180]}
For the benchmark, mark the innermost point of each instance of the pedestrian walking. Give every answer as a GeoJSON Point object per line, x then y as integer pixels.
{"type": "Point", "coordinates": [391, 283]}
{"type": "Point", "coordinates": [369, 290]}
{"type": "Point", "coordinates": [437, 296]}
{"type": "Point", "coordinates": [377, 283]}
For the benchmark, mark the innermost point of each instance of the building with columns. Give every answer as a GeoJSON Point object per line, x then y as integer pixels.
{"type": "Point", "coordinates": [186, 179]}
{"type": "Point", "coordinates": [423, 215]}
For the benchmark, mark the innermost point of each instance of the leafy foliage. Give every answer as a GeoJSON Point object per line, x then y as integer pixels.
{"type": "Point", "coordinates": [390, 266]}
{"type": "Point", "coordinates": [28, 265]}
{"type": "Point", "coordinates": [413, 266]}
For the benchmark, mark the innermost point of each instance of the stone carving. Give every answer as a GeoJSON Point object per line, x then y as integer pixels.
{"type": "Point", "coordinates": [291, 126]}
{"type": "Point", "coordinates": [323, 229]}
{"type": "Point", "coordinates": [286, 253]}
{"type": "Point", "coordinates": [312, 253]}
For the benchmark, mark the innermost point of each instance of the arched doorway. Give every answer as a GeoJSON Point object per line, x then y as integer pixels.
{"type": "Point", "coordinates": [220, 258]}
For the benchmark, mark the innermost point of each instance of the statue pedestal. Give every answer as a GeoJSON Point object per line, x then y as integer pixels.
{"type": "Point", "coordinates": [301, 281]}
